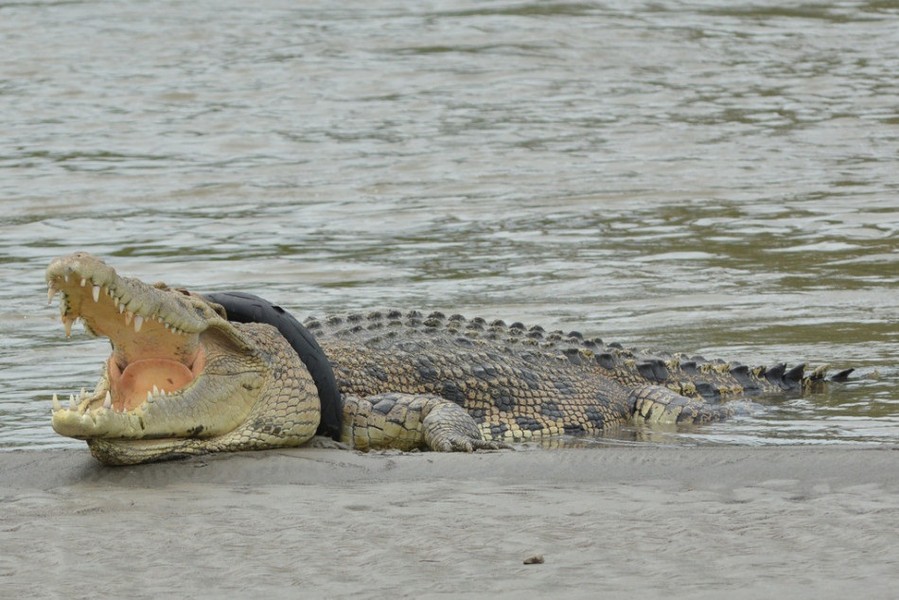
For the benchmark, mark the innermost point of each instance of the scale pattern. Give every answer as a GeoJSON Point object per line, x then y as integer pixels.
{"type": "Point", "coordinates": [521, 383]}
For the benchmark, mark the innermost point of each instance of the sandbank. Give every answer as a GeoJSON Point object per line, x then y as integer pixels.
{"type": "Point", "coordinates": [617, 522]}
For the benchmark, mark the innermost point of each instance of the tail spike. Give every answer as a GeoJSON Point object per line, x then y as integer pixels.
{"type": "Point", "coordinates": [793, 377]}
{"type": "Point", "coordinates": [841, 376]}
{"type": "Point", "coordinates": [774, 374]}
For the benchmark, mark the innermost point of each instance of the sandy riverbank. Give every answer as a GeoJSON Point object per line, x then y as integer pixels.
{"type": "Point", "coordinates": [644, 522]}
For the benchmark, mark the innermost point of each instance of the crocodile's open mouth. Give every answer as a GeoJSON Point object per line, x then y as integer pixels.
{"type": "Point", "coordinates": [178, 369]}
{"type": "Point", "coordinates": [151, 356]}
{"type": "Point", "coordinates": [159, 354]}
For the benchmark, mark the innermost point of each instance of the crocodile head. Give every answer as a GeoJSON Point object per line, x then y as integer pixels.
{"type": "Point", "coordinates": [181, 379]}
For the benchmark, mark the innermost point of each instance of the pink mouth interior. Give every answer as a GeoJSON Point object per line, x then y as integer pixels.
{"type": "Point", "coordinates": [129, 387]}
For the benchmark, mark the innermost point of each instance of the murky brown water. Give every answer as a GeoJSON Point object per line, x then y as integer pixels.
{"type": "Point", "coordinates": [691, 177]}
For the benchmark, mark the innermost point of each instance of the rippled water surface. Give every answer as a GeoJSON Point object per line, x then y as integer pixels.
{"type": "Point", "coordinates": [708, 177]}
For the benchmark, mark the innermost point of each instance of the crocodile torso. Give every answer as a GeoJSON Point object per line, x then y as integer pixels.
{"type": "Point", "coordinates": [523, 383]}
{"type": "Point", "coordinates": [184, 379]}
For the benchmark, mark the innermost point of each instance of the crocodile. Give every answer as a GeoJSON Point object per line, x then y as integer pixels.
{"type": "Point", "coordinates": [191, 374]}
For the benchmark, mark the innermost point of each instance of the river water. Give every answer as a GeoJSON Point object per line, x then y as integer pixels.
{"type": "Point", "coordinates": [699, 176]}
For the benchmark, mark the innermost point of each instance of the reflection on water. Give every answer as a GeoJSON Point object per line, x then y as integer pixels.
{"type": "Point", "coordinates": [708, 178]}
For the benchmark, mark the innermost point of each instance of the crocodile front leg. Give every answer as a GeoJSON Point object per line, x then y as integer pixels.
{"type": "Point", "coordinates": [410, 421]}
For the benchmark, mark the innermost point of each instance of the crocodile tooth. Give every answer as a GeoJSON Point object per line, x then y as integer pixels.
{"type": "Point", "coordinates": [121, 307]}
{"type": "Point", "coordinates": [107, 403]}
{"type": "Point", "coordinates": [67, 323]}
{"type": "Point", "coordinates": [155, 391]}
{"type": "Point", "coordinates": [72, 404]}
{"type": "Point", "coordinates": [138, 322]}
{"type": "Point", "coordinates": [128, 317]}
{"type": "Point", "coordinates": [83, 281]}
{"type": "Point", "coordinates": [149, 396]}
{"type": "Point", "coordinates": [95, 292]}
{"type": "Point", "coordinates": [56, 405]}
{"type": "Point", "coordinates": [51, 292]}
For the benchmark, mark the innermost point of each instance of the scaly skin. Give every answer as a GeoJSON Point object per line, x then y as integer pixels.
{"type": "Point", "coordinates": [182, 380]}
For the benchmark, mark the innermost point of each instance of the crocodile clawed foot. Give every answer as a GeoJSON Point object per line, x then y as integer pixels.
{"type": "Point", "coordinates": [463, 442]}
{"type": "Point", "coordinates": [448, 428]}
{"type": "Point", "coordinates": [491, 445]}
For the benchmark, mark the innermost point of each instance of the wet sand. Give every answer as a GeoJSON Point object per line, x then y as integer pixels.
{"type": "Point", "coordinates": [648, 522]}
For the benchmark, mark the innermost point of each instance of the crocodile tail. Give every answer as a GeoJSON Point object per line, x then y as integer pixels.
{"type": "Point", "coordinates": [797, 377]}
{"type": "Point", "coordinates": [698, 377]}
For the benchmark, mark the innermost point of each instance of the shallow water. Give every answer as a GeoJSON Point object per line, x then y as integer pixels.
{"type": "Point", "coordinates": [684, 176]}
